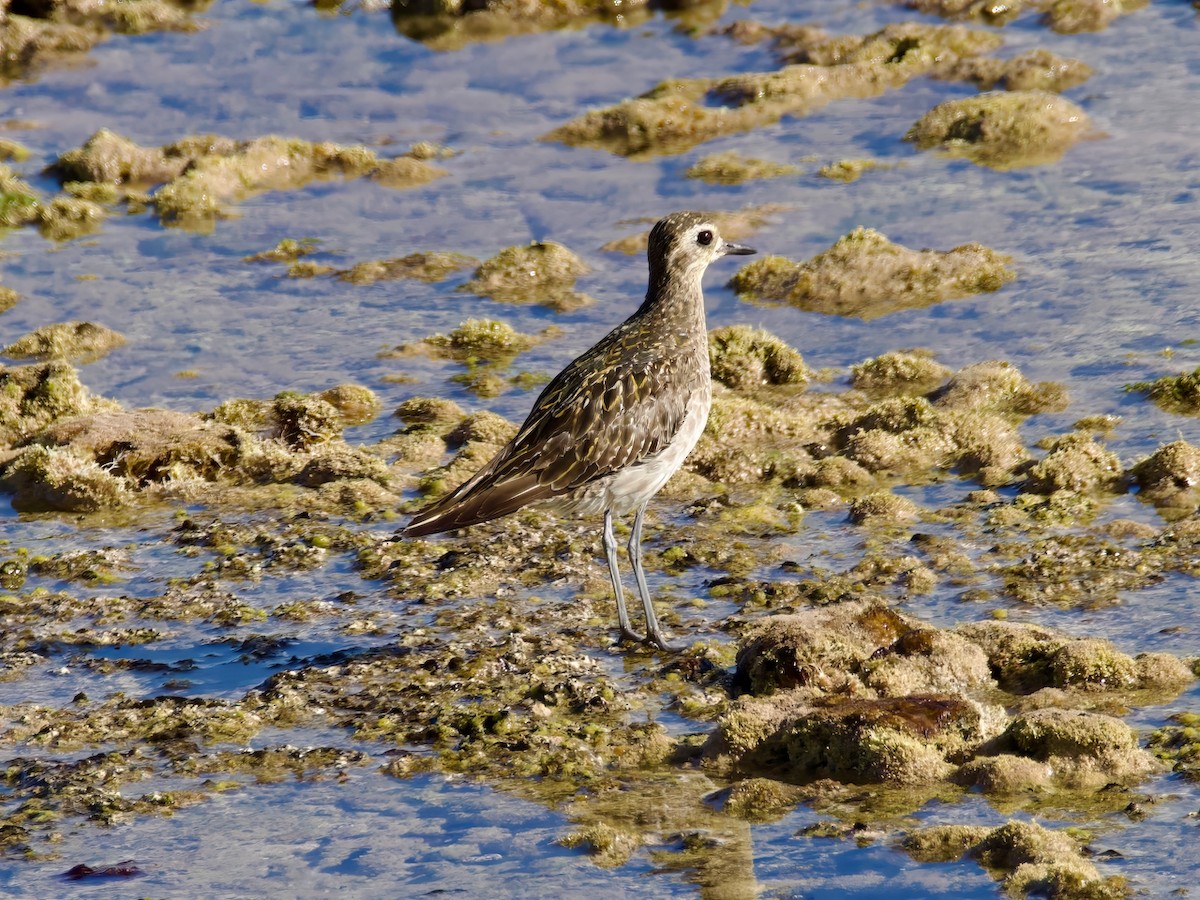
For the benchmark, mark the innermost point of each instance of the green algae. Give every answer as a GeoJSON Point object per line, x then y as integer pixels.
{"type": "Point", "coordinates": [75, 341]}
{"type": "Point", "coordinates": [987, 12]}
{"type": "Point", "coordinates": [1003, 130]}
{"type": "Point", "coordinates": [733, 168]}
{"type": "Point", "coordinates": [865, 275]}
{"type": "Point", "coordinates": [542, 272]}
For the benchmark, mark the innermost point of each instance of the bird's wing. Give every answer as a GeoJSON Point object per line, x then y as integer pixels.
{"type": "Point", "coordinates": [607, 410]}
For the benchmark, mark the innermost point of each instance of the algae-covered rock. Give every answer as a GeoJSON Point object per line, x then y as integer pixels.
{"type": "Point", "coordinates": [988, 12]}
{"type": "Point", "coordinates": [899, 741]}
{"type": "Point", "coordinates": [744, 358]}
{"type": "Point", "coordinates": [76, 341]}
{"type": "Point", "coordinates": [1174, 393]}
{"type": "Point", "coordinates": [8, 298]}
{"type": "Point", "coordinates": [486, 340]}
{"type": "Point", "coordinates": [1086, 749]}
{"type": "Point", "coordinates": [883, 508]}
{"type": "Point", "coordinates": [676, 115]}
{"type": "Point", "coordinates": [1170, 476]}
{"type": "Point", "coordinates": [1073, 16]}
{"type": "Point", "coordinates": [899, 373]}
{"type": "Point", "coordinates": [998, 386]}
{"type": "Point", "coordinates": [423, 412]}
{"type": "Point", "coordinates": [63, 479]}
{"type": "Point", "coordinates": [867, 276]}
{"type": "Point", "coordinates": [452, 24]}
{"type": "Point", "coordinates": [1029, 859]}
{"type": "Point", "coordinates": [201, 173]}
{"type": "Point", "coordinates": [847, 170]}
{"type": "Point", "coordinates": [1033, 70]}
{"type": "Point", "coordinates": [733, 168]}
{"type": "Point", "coordinates": [542, 272]}
{"type": "Point", "coordinates": [428, 267]}
{"type": "Point", "coordinates": [1003, 129]}
{"type": "Point", "coordinates": [1076, 463]}
{"type": "Point", "coordinates": [18, 200]}
{"type": "Point", "coordinates": [33, 396]}
{"type": "Point", "coordinates": [1178, 744]}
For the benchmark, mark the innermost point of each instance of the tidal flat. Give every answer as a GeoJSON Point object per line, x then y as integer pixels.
{"type": "Point", "coordinates": [932, 563]}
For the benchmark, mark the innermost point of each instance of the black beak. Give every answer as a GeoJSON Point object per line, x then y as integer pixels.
{"type": "Point", "coordinates": [737, 250]}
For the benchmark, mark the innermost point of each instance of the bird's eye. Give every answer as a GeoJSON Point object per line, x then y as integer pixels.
{"type": "Point", "coordinates": [705, 237]}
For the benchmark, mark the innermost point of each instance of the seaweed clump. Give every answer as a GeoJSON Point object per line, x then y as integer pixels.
{"type": "Point", "coordinates": [865, 275]}
{"type": "Point", "coordinates": [1003, 129]}
{"type": "Point", "coordinates": [733, 168]}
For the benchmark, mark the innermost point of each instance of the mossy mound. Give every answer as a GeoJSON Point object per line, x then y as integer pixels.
{"type": "Point", "coordinates": [744, 358]}
{"type": "Point", "coordinates": [75, 341]}
{"type": "Point", "coordinates": [1003, 129]}
{"type": "Point", "coordinates": [542, 272]}
{"type": "Point", "coordinates": [901, 373]}
{"type": "Point", "coordinates": [1178, 744]}
{"type": "Point", "coordinates": [865, 275]}
{"type": "Point", "coordinates": [676, 115]}
{"type": "Point", "coordinates": [1170, 477]}
{"type": "Point", "coordinates": [733, 168]}
{"type": "Point", "coordinates": [1079, 464]}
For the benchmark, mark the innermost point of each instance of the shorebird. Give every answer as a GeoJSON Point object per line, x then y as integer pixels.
{"type": "Point", "coordinates": [611, 428]}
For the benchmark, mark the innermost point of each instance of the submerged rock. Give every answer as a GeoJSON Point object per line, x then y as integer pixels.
{"type": "Point", "coordinates": [1003, 130]}
{"type": "Point", "coordinates": [1033, 70]}
{"type": "Point", "coordinates": [867, 276]}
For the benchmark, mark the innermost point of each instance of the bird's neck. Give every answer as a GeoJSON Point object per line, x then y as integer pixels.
{"type": "Point", "coordinates": [675, 302]}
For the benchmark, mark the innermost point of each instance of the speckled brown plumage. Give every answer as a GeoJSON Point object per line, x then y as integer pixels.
{"type": "Point", "coordinates": [611, 427]}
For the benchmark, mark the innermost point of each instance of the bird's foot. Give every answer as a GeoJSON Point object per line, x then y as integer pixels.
{"type": "Point", "coordinates": [628, 634]}
{"type": "Point", "coordinates": [656, 639]}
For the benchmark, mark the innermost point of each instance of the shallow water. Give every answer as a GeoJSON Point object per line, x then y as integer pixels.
{"type": "Point", "coordinates": [1109, 278]}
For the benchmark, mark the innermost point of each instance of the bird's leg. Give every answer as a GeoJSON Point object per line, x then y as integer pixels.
{"type": "Point", "coordinates": [654, 634]}
{"type": "Point", "coordinates": [610, 550]}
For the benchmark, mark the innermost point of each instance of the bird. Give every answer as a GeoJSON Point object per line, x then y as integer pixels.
{"type": "Point", "coordinates": [609, 430]}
